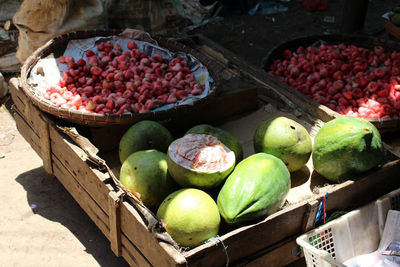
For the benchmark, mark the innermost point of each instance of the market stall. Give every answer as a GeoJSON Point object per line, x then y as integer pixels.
{"type": "Point", "coordinates": [76, 148]}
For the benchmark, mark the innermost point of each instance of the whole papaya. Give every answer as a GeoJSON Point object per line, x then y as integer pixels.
{"type": "Point", "coordinates": [345, 147]}
{"type": "Point", "coordinates": [257, 187]}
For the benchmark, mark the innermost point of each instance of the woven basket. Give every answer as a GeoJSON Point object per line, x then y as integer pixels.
{"type": "Point", "coordinates": [384, 125]}
{"type": "Point", "coordinates": [57, 47]}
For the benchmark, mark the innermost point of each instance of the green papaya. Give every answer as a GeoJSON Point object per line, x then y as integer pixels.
{"type": "Point", "coordinates": [345, 147]}
{"type": "Point", "coordinates": [256, 188]}
{"type": "Point", "coordinates": [225, 137]}
{"type": "Point", "coordinates": [286, 139]}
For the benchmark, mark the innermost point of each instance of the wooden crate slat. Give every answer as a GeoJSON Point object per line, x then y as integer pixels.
{"type": "Point", "coordinates": [26, 131]}
{"type": "Point", "coordinates": [280, 255]}
{"type": "Point", "coordinates": [84, 200]}
{"type": "Point", "coordinates": [131, 254]}
{"type": "Point", "coordinates": [77, 164]}
{"type": "Point", "coordinates": [351, 194]}
{"type": "Point", "coordinates": [132, 225]}
{"type": "Point", "coordinates": [36, 121]}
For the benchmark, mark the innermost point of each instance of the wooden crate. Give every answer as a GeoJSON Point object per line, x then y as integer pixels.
{"type": "Point", "coordinates": [133, 231]}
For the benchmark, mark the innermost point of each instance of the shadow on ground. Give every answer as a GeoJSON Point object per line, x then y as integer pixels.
{"type": "Point", "coordinates": [48, 198]}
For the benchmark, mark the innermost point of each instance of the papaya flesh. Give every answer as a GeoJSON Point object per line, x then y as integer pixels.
{"type": "Point", "coordinates": [256, 188]}
{"type": "Point", "coordinates": [346, 147]}
{"type": "Point", "coordinates": [225, 137]}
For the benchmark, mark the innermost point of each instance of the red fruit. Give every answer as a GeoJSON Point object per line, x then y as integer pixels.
{"type": "Point", "coordinates": [88, 90]}
{"type": "Point", "coordinates": [95, 71]}
{"type": "Point", "coordinates": [92, 61]}
{"type": "Point", "coordinates": [130, 86]}
{"type": "Point", "coordinates": [168, 76]}
{"type": "Point", "coordinates": [338, 75]}
{"type": "Point", "coordinates": [380, 73]}
{"type": "Point", "coordinates": [181, 94]}
{"type": "Point", "coordinates": [128, 74]}
{"type": "Point", "coordinates": [294, 72]}
{"type": "Point", "coordinates": [122, 66]}
{"type": "Point", "coordinates": [171, 99]}
{"type": "Point", "coordinates": [163, 98]}
{"type": "Point", "coordinates": [127, 94]}
{"type": "Point", "coordinates": [196, 91]}
{"type": "Point", "coordinates": [122, 59]}
{"type": "Point", "coordinates": [145, 62]}
{"type": "Point", "coordinates": [137, 108]}
{"type": "Point", "coordinates": [98, 99]}
{"type": "Point", "coordinates": [57, 99]}
{"type": "Point", "coordinates": [149, 104]}
{"type": "Point", "coordinates": [348, 95]}
{"type": "Point", "coordinates": [131, 45]}
{"type": "Point", "coordinates": [157, 58]}
{"type": "Point", "coordinates": [345, 68]}
{"type": "Point", "coordinates": [82, 80]}
{"type": "Point", "coordinates": [99, 108]}
{"type": "Point", "coordinates": [119, 76]}
{"type": "Point", "coordinates": [67, 95]}
{"type": "Point", "coordinates": [81, 62]}
{"type": "Point", "coordinates": [89, 53]}
{"type": "Point", "coordinates": [69, 59]}
{"type": "Point", "coordinates": [323, 72]}
{"type": "Point", "coordinates": [287, 54]}
{"type": "Point", "coordinates": [61, 59]}
{"type": "Point", "coordinates": [62, 82]}
{"type": "Point", "coordinates": [110, 104]}
{"type": "Point", "coordinates": [372, 86]}
{"type": "Point", "coordinates": [142, 98]}
{"type": "Point", "coordinates": [119, 85]}
{"type": "Point", "coordinates": [124, 109]}
{"type": "Point", "coordinates": [100, 46]}
{"type": "Point", "coordinates": [177, 67]}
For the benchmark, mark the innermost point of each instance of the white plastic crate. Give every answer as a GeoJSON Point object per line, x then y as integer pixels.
{"type": "Point", "coordinates": [355, 233]}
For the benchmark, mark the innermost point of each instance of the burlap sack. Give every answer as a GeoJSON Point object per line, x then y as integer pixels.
{"type": "Point", "coordinates": [39, 21]}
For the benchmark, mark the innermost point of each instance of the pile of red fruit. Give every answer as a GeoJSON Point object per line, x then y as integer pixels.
{"type": "Point", "coordinates": [351, 80]}
{"type": "Point", "coordinates": [114, 81]}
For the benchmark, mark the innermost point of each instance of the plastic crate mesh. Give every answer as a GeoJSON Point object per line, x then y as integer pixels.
{"type": "Point", "coordinates": [323, 241]}
{"type": "Point", "coordinates": [395, 202]}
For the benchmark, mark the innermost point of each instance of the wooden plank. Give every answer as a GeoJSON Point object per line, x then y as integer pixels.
{"type": "Point", "coordinates": [95, 213]}
{"type": "Point", "coordinates": [114, 222]}
{"type": "Point", "coordinates": [280, 254]}
{"type": "Point", "coordinates": [353, 194]}
{"type": "Point", "coordinates": [76, 161]}
{"type": "Point", "coordinates": [38, 123]}
{"type": "Point", "coordinates": [244, 241]}
{"type": "Point", "coordinates": [26, 131]}
{"type": "Point", "coordinates": [309, 216]}
{"type": "Point", "coordinates": [133, 226]}
{"type": "Point", "coordinates": [131, 254]}
{"type": "Point", "coordinates": [18, 97]}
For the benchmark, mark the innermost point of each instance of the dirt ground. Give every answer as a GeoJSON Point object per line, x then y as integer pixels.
{"type": "Point", "coordinates": [42, 225]}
